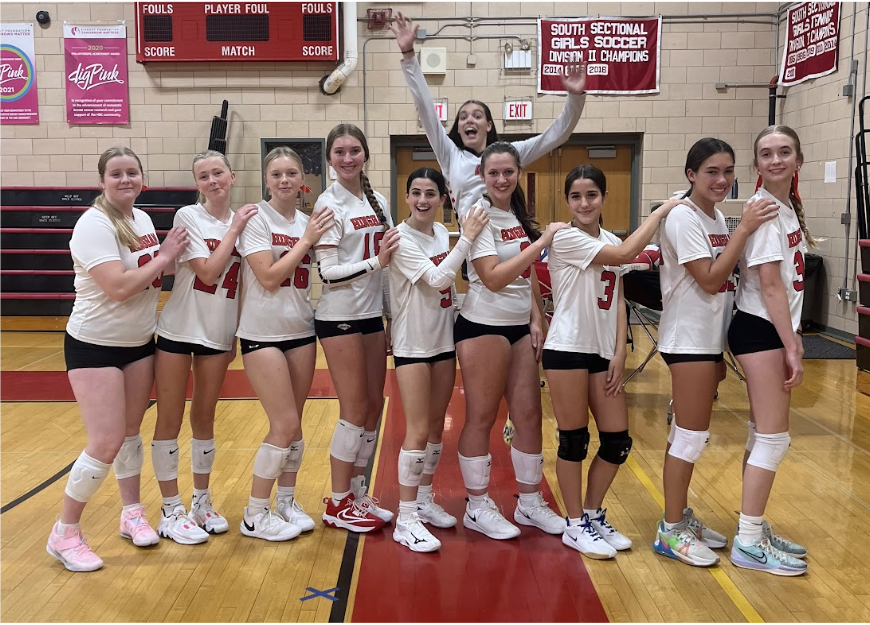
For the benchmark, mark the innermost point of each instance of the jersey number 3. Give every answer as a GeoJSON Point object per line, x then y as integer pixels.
{"type": "Point", "coordinates": [609, 280]}
{"type": "Point", "coordinates": [230, 283]}
{"type": "Point", "coordinates": [799, 269]}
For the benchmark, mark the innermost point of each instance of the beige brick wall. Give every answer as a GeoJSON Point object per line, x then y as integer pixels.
{"type": "Point", "coordinates": [821, 116]}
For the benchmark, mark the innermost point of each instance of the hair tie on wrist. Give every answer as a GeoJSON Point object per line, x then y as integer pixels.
{"type": "Point", "coordinates": [411, 51]}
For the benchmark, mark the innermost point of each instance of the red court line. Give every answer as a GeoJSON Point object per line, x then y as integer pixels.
{"type": "Point", "coordinates": [533, 578]}
{"type": "Point", "coordinates": [54, 386]}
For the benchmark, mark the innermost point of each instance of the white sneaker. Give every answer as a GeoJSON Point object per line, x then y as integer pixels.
{"type": "Point", "coordinates": [539, 515]}
{"type": "Point", "coordinates": [291, 511]}
{"type": "Point", "coordinates": [608, 532]}
{"type": "Point", "coordinates": [370, 504]}
{"type": "Point", "coordinates": [489, 521]}
{"type": "Point", "coordinates": [431, 512]}
{"type": "Point", "coordinates": [414, 535]}
{"type": "Point", "coordinates": [711, 538]}
{"type": "Point", "coordinates": [204, 514]}
{"type": "Point", "coordinates": [178, 526]}
{"type": "Point", "coordinates": [585, 539]}
{"type": "Point", "coordinates": [682, 544]}
{"type": "Point", "coordinates": [267, 525]}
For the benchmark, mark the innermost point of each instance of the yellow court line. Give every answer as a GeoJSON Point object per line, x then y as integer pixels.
{"type": "Point", "coordinates": [357, 562]}
{"type": "Point", "coordinates": [721, 577]}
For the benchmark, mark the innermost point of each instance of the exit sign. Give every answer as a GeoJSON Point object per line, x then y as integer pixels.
{"type": "Point", "coordinates": [517, 110]}
{"type": "Point", "coordinates": [441, 109]}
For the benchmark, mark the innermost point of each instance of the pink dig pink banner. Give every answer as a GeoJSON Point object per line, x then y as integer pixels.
{"type": "Point", "coordinates": [19, 103]}
{"type": "Point", "coordinates": [96, 74]}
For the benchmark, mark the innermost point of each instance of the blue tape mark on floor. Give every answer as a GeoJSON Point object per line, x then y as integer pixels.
{"type": "Point", "coordinates": [326, 594]}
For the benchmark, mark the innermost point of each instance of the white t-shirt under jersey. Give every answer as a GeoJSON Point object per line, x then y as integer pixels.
{"type": "Point", "coordinates": [195, 312]}
{"type": "Point", "coordinates": [96, 318]}
{"type": "Point", "coordinates": [693, 321]}
{"type": "Point", "coordinates": [422, 315]}
{"type": "Point", "coordinates": [357, 233]}
{"type": "Point", "coordinates": [780, 239]}
{"type": "Point", "coordinates": [284, 314]}
{"type": "Point", "coordinates": [503, 237]}
{"type": "Point", "coordinates": [585, 294]}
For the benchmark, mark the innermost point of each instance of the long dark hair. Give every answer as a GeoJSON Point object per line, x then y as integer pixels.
{"type": "Point", "coordinates": [349, 130]}
{"type": "Point", "coordinates": [518, 198]}
{"type": "Point", "coordinates": [429, 174]}
{"type": "Point", "coordinates": [587, 172]}
{"type": "Point", "coordinates": [456, 137]}
{"type": "Point", "coordinates": [700, 152]}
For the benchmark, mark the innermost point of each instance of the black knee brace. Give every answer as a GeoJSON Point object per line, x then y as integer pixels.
{"type": "Point", "coordinates": [614, 446]}
{"type": "Point", "coordinates": [573, 444]}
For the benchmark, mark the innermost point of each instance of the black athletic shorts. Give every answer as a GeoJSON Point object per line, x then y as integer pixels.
{"type": "Point", "coordinates": [327, 329]}
{"type": "Point", "coordinates": [284, 346]}
{"type": "Point", "coordinates": [402, 360]}
{"type": "Point", "coordinates": [465, 329]}
{"type": "Point", "coordinates": [553, 359]}
{"type": "Point", "coordinates": [185, 349]}
{"type": "Point", "coordinates": [81, 355]}
{"type": "Point", "coordinates": [673, 359]}
{"type": "Point", "coordinates": [749, 334]}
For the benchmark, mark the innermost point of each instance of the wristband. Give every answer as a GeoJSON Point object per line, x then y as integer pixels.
{"type": "Point", "coordinates": [411, 51]}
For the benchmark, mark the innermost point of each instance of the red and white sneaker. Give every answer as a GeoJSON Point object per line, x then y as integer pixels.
{"type": "Point", "coordinates": [73, 550]}
{"type": "Point", "coordinates": [350, 515]}
{"type": "Point", "coordinates": [134, 526]}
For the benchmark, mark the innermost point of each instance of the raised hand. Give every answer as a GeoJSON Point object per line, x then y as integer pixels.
{"type": "Point", "coordinates": [174, 243]}
{"type": "Point", "coordinates": [405, 31]}
{"type": "Point", "coordinates": [320, 222]}
{"type": "Point", "coordinates": [574, 78]}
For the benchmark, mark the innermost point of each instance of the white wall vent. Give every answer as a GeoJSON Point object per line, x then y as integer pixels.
{"type": "Point", "coordinates": [433, 60]}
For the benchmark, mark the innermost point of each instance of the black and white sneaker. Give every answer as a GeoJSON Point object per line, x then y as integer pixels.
{"type": "Point", "coordinates": [413, 534]}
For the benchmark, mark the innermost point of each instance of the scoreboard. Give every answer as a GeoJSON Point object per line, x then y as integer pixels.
{"type": "Point", "coordinates": [236, 31]}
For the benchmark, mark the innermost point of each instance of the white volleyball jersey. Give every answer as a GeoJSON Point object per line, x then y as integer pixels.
{"type": "Point", "coordinates": [585, 294]}
{"type": "Point", "coordinates": [285, 313]}
{"type": "Point", "coordinates": [196, 312]}
{"type": "Point", "coordinates": [461, 168]}
{"type": "Point", "coordinates": [693, 321]}
{"type": "Point", "coordinates": [503, 237]}
{"type": "Point", "coordinates": [422, 315]}
{"type": "Point", "coordinates": [96, 318]}
{"type": "Point", "coordinates": [357, 234]}
{"type": "Point", "coordinates": [780, 239]}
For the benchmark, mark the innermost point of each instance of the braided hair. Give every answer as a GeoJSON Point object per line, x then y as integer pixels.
{"type": "Point", "coordinates": [349, 130]}
{"type": "Point", "coordinates": [518, 198]}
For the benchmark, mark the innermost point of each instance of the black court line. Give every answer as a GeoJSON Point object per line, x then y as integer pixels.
{"type": "Point", "coordinates": [348, 558]}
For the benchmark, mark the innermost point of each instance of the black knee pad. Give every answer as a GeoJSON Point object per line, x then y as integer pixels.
{"type": "Point", "coordinates": [614, 446]}
{"type": "Point", "coordinates": [573, 444]}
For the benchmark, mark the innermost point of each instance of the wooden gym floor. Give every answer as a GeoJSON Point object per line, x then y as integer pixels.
{"type": "Point", "coordinates": [821, 499]}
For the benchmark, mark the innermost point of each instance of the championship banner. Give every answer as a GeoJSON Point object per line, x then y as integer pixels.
{"type": "Point", "coordinates": [96, 74]}
{"type": "Point", "coordinates": [812, 42]}
{"type": "Point", "coordinates": [19, 103]}
{"type": "Point", "coordinates": [622, 54]}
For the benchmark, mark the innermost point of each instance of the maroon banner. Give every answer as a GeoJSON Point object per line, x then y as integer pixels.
{"type": "Point", "coordinates": [96, 74]}
{"type": "Point", "coordinates": [622, 54]}
{"type": "Point", "coordinates": [812, 42]}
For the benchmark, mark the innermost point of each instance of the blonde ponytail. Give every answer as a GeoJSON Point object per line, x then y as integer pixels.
{"type": "Point", "coordinates": [124, 227]}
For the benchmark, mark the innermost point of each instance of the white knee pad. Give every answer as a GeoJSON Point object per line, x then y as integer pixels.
{"type": "Point", "coordinates": [411, 467]}
{"type": "Point", "coordinates": [528, 468]}
{"type": "Point", "coordinates": [128, 462]}
{"type": "Point", "coordinates": [366, 449]}
{"type": "Point", "coordinates": [769, 450]}
{"type": "Point", "coordinates": [202, 455]}
{"type": "Point", "coordinates": [269, 461]}
{"type": "Point", "coordinates": [433, 457]}
{"type": "Point", "coordinates": [750, 442]}
{"type": "Point", "coordinates": [346, 441]}
{"type": "Point", "coordinates": [688, 445]}
{"type": "Point", "coordinates": [85, 477]}
{"type": "Point", "coordinates": [164, 457]}
{"type": "Point", "coordinates": [294, 459]}
{"type": "Point", "coordinates": [475, 471]}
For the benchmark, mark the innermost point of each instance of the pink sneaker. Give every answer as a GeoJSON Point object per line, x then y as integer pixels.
{"type": "Point", "coordinates": [135, 526]}
{"type": "Point", "coordinates": [72, 550]}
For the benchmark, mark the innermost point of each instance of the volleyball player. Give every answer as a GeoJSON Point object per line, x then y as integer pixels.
{"type": "Point", "coordinates": [109, 351]}
{"type": "Point", "coordinates": [276, 332]}
{"type": "Point", "coordinates": [496, 352]}
{"type": "Point", "coordinates": [353, 259]}
{"type": "Point", "coordinates": [584, 356]}
{"type": "Point", "coordinates": [697, 278]}
{"type": "Point", "coordinates": [421, 288]}
{"type": "Point", "coordinates": [765, 336]}
{"type": "Point", "coordinates": [197, 326]}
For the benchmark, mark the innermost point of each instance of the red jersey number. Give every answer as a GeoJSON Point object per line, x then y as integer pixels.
{"type": "Point", "coordinates": [300, 276]}
{"type": "Point", "coordinates": [729, 284]}
{"type": "Point", "coordinates": [447, 297]}
{"type": "Point", "coordinates": [144, 260]}
{"type": "Point", "coordinates": [528, 272]}
{"type": "Point", "coordinates": [609, 279]}
{"type": "Point", "coordinates": [799, 268]}
{"type": "Point", "coordinates": [372, 245]}
{"type": "Point", "coordinates": [230, 283]}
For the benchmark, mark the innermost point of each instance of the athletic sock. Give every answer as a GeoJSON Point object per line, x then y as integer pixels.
{"type": "Point", "coordinates": [286, 492]}
{"type": "Point", "coordinates": [749, 529]}
{"type": "Point", "coordinates": [423, 492]}
{"type": "Point", "coordinates": [406, 509]}
{"type": "Point", "coordinates": [130, 507]}
{"type": "Point", "coordinates": [337, 497]}
{"type": "Point", "coordinates": [527, 500]}
{"type": "Point", "coordinates": [574, 522]}
{"type": "Point", "coordinates": [671, 526]}
{"type": "Point", "coordinates": [255, 504]}
{"type": "Point", "coordinates": [199, 492]}
{"type": "Point", "coordinates": [63, 526]}
{"type": "Point", "coordinates": [593, 514]}
{"type": "Point", "coordinates": [169, 504]}
{"type": "Point", "coordinates": [475, 502]}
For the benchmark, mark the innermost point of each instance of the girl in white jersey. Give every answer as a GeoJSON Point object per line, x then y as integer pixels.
{"type": "Point", "coordinates": [499, 354]}
{"type": "Point", "coordinates": [458, 152]}
{"type": "Point", "coordinates": [109, 350]}
{"type": "Point", "coordinates": [276, 332]}
{"type": "Point", "coordinates": [765, 336]}
{"type": "Point", "coordinates": [584, 356]}
{"type": "Point", "coordinates": [353, 259]}
{"type": "Point", "coordinates": [422, 272]}
{"type": "Point", "coordinates": [197, 326]}
{"type": "Point", "coordinates": [698, 262]}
